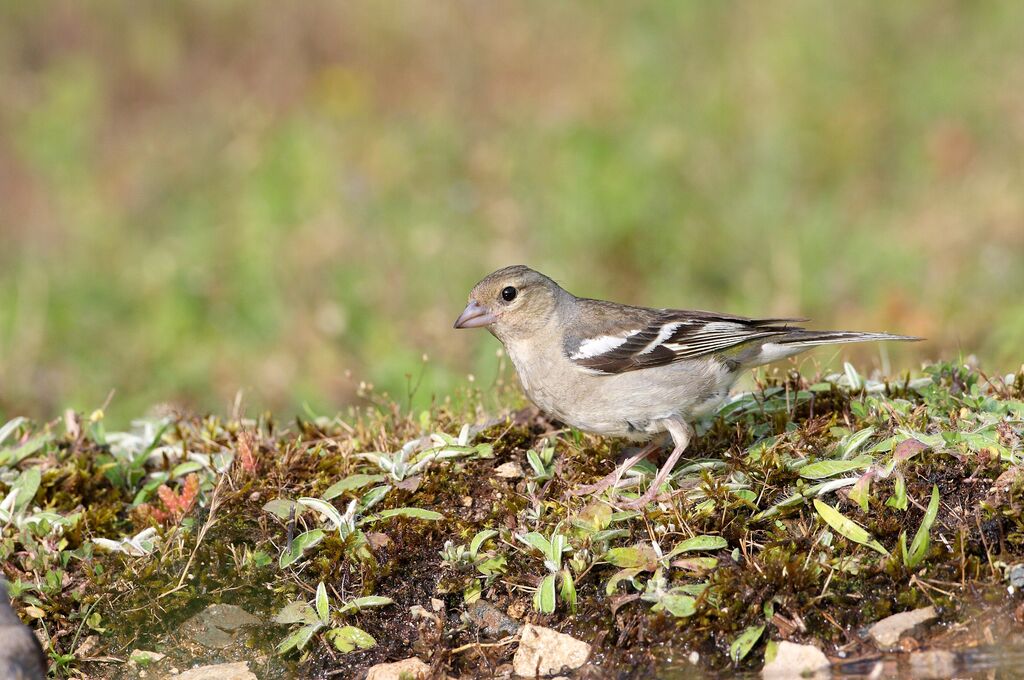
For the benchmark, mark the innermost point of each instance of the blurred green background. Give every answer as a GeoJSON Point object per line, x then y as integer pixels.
{"type": "Point", "coordinates": [290, 198]}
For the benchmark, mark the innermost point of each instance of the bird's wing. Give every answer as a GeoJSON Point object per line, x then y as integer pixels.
{"type": "Point", "coordinates": [612, 338]}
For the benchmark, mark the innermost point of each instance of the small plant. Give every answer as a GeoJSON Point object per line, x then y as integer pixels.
{"type": "Point", "coordinates": [176, 504]}
{"type": "Point", "coordinates": [348, 524]}
{"type": "Point", "coordinates": [542, 464]}
{"type": "Point", "coordinates": [478, 568]}
{"type": "Point", "coordinates": [918, 550]}
{"type": "Point", "coordinates": [320, 615]}
{"type": "Point", "coordinates": [648, 557]}
{"type": "Point", "coordinates": [419, 454]}
{"type": "Point", "coordinates": [545, 599]}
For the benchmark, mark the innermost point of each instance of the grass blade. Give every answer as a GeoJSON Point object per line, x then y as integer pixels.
{"type": "Point", "coordinates": [847, 527]}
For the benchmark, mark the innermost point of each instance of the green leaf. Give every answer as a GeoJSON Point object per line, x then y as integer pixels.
{"type": "Point", "coordinates": [856, 384]}
{"type": "Point", "coordinates": [696, 564]}
{"type": "Point", "coordinates": [898, 500]}
{"type": "Point", "coordinates": [325, 509]}
{"type": "Point", "coordinates": [677, 603]}
{"type": "Point", "coordinates": [596, 516]}
{"type": "Point", "coordinates": [538, 542]}
{"type": "Point", "coordinates": [742, 645]}
{"type": "Point", "coordinates": [296, 612]}
{"type": "Point", "coordinates": [494, 565]}
{"type": "Point", "coordinates": [183, 469]}
{"type": "Point", "coordinates": [852, 443]}
{"type": "Point", "coordinates": [861, 491]}
{"type": "Point", "coordinates": [618, 577]}
{"type": "Point", "coordinates": [350, 483]}
{"type": "Point", "coordinates": [373, 496]}
{"type": "Point", "coordinates": [299, 638]}
{"type": "Point", "coordinates": [847, 527]}
{"type": "Point", "coordinates": [699, 544]}
{"type": "Point", "coordinates": [919, 546]}
{"type": "Point", "coordinates": [535, 462]}
{"type": "Point", "coordinates": [27, 485]}
{"type": "Point", "coordinates": [366, 603]}
{"type": "Point", "coordinates": [568, 591]}
{"type": "Point", "coordinates": [830, 468]}
{"type": "Point", "coordinates": [16, 455]}
{"type": "Point", "coordinates": [640, 556]}
{"type": "Point", "coordinates": [414, 513]}
{"type": "Point", "coordinates": [472, 592]}
{"type": "Point", "coordinates": [8, 428]}
{"type": "Point", "coordinates": [544, 598]}
{"type": "Point", "coordinates": [280, 508]}
{"type": "Point", "coordinates": [322, 605]}
{"type": "Point", "coordinates": [349, 638]}
{"type": "Point", "coordinates": [478, 540]}
{"type": "Point", "coordinates": [300, 544]}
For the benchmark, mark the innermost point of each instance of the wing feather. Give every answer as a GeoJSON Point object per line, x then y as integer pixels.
{"type": "Point", "coordinates": [643, 338]}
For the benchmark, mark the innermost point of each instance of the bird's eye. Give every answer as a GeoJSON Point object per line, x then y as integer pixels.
{"type": "Point", "coordinates": [508, 294]}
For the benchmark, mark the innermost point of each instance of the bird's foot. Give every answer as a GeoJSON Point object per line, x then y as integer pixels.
{"type": "Point", "coordinates": [641, 502]}
{"type": "Point", "coordinates": [606, 482]}
{"type": "Point", "coordinates": [615, 476]}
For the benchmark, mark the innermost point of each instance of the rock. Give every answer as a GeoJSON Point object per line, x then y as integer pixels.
{"type": "Point", "coordinates": [509, 470]}
{"type": "Point", "coordinates": [933, 664]}
{"type": "Point", "coordinates": [543, 651]}
{"type": "Point", "coordinates": [21, 655]}
{"type": "Point", "coordinates": [220, 671]}
{"type": "Point", "coordinates": [490, 620]}
{"type": "Point", "coordinates": [887, 632]}
{"type": "Point", "coordinates": [797, 661]}
{"type": "Point", "coordinates": [1016, 576]}
{"type": "Point", "coordinates": [407, 669]}
{"type": "Point", "coordinates": [215, 627]}
{"type": "Point", "coordinates": [143, 657]}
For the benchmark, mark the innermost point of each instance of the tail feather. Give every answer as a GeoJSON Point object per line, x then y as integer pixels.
{"type": "Point", "coordinates": [813, 338]}
{"type": "Point", "coordinates": [799, 340]}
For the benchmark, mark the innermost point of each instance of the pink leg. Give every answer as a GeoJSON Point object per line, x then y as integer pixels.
{"type": "Point", "coordinates": [681, 433]}
{"type": "Point", "coordinates": [613, 478]}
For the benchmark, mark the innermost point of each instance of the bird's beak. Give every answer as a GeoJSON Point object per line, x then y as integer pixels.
{"type": "Point", "coordinates": [475, 316]}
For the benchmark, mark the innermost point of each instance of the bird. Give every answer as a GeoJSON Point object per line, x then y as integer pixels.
{"type": "Point", "coordinates": [21, 655]}
{"type": "Point", "coordinates": [625, 371]}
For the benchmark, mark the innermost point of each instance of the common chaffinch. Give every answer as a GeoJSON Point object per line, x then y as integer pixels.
{"type": "Point", "coordinates": [625, 371]}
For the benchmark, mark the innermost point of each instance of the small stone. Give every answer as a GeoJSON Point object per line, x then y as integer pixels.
{"type": "Point", "coordinates": [797, 661]}
{"type": "Point", "coordinates": [143, 657]}
{"type": "Point", "coordinates": [517, 609]}
{"type": "Point", "coordinates": [490, 620]}
{"type": "Point", "coordinates": [509, 470]}
{"type": "Point", "coordinates": [543, 651]}
{"type": "Point", "coordinates": [407, 669]}
{"type": "Point", "coordinates": [215, 626]}
{"type": "Point", "coordinates": [87, 646]}
{"type": "Point", "coordinates": [467, 501]}
{"type": "Point", "coordinates": [887, 632]}
{"type": "Point", "coordinates": [436, 604]}
{"type": "Point", "coordinates": [220, 671]}
{"type": "Point", "coordinates": [418, 612]}
{"type": "Point", "coordinates": [933, 664]}
{"type": "Point", "coordinates": [503, 671]}
{"type": "Point", "coordinates": [377, 540]}
{"type": "Point", "coordinates": [1016, 576]}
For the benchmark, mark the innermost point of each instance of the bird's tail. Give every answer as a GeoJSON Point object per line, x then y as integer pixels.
{"type": "Point", "coordinates": [815, 338]}
{"type": "Point", "coordinates": [798, 340]}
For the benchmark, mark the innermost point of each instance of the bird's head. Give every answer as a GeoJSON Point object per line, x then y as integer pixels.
{"type": "Point", "coordinates": [511, 303]}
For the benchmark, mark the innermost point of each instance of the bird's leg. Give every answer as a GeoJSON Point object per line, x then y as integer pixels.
{"type": "Point", "coordinates": [613, 478]}
{"type": "Point", "coordinates": [681, 432]}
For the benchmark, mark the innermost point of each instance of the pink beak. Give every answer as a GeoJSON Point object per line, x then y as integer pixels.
{"type": "Point", "coordinates": [475, 316]}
